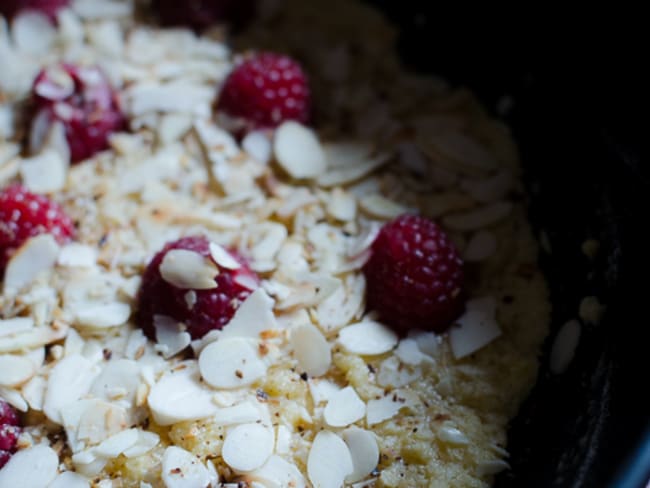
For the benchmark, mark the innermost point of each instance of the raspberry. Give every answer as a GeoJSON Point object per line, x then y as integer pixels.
{"type": "Point", "coordinates": [84, 101]}
{"type": "Point", "coordinates": [211, 309]}
{"type": "Point", "coordinates": [9, 8]}
{"type": "Point", "coordinates": [9, 431]}
{"type": "Point", "coordinates": [24, 215]}
{"type": "Point", "coordinates": [265, 90]}
{"type": "Point", "coordinates": [414, 276]}
{"type": "Point", "coordinates": [201, 14]}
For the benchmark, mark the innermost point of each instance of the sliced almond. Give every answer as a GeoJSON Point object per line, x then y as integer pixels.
{"type": "Point", "coordinates": [253, 316]}
{"type": "Point", "coordinates": [170, 335]}
{"type": "Point", "coordinates": [344, 408]}
{"type": "Point", "coordinates": [118, 381]}
{"type": "Point", "coordinates": [70, 379]}
{"type": "Point", "coordinates": [230, 363]}
{"type": "Point", "coordinates": [258, 145]}
{"type": "Point", "coordinates": [69, 479]}
{"type": "Point", "coordinates": [409, 352]}
{"type": "Point", "coordinates": [15, 370]}
{"type": "Point", "coordinates": [34, 466]}
{"type": "Point", "coordinates": [384, 408]}
{"type": "Point", "coordinates": [31, 338]}
{"type": "Point", "coordinates": [117, 444]}
{"type": "Point", "coordinates": [222, 257]}
{"type": "Point", "coordinates": [36, 256]}
{"type": "Point", "coordinates": [329, 461]}
{"type": "Point", "coordinates": [146, 442]}
{"type": "Point", "coordinates": [322, 390]}
{"type": "Point", "coordinates": [364, 451]}
{"type": "Point", "coordinates": [179, 396]}
{"type": "Point", "coordinates": [564, 346]}
{"type": "Point", "coordinates": [476, 328]}
{"type": "Point", "coordinates": [277, 473]}
{"type": "Point", "coordinates": [188, 270]}
{"type": "Point", "coordinates": [349, 174]}
{"type": "Point", "coordinates": [451, 435]}
{"type": "Point", "coordinates": [479, 218]}
{"type": "Point", "coordinates": [311, 349]}
{"type": "Point", "coordinates": [241, 413]}
{"type": "Point", "coordinates": [298, 151]}
{"type": "Point", "coordinates": [367, 338]}
{"type": "Point", "coordinates": [45, 172]}
{"type": "Point", "coordinates": [247, 447]}
{"type": "Point", "coordinates": [342, 205]}
{"type": "Point", "coordinates": [381, 207]}
{"type": "Point", "coordinates": [77, 255]}
{"type": "Point", "coordinates": [102, 315]}
{"type": "Point", "coordinates": [32, 32]}
{"type": "Point", "coordinates": [182, 469]}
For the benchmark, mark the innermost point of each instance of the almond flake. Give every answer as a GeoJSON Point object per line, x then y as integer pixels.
{"type": "Point", "coordinates": [344, 408]}
{"type": "Point", "coordinates": [34, 392]}
{"type": "Point", "coordinates": [44, 173]}
{"type": "Point", "coordinates": [13, 398]}
{"type": "Point", "coordinates": [311, 349]}
{"type": "Point", "coordinates": [277, 473]}
{"type": "Point", "coordinates": [32, 467]}
{"type": "Point", "coordinates": [451, 435]}
{"type": "Point", "coordinates": [480, 247]}
{"type": "Point", "coordinates": [564, 346]}
{"type": "Point", "coordinates": [258, 145]}
{"type": "Point", "coordinates": [329, 461]}
{"type": "Point", "coordinates": [15, 370]}
{"type": "Point", "coordinates": [392, 373]}
{"type": "Point", "coordinates": [34, 257]}
{"type": "Point", "coordinates": [253, 316]}
{"type": "Point", "coordinates": [179, 396]}
{"type": "Point", "coordinates": [342, 205]}
{"type": "Point", "coordinates": [222, 257]}
{"type": "Point", "coordinates": [182, 469]}
{"type": "Point", "coordinates": [409, 352]}
{"type": "Point", "coordinates": [146, 442]}
{"type": "Point", "coordinates": [102, 315]}
{"type": "Point", "coordinates": [121, 375]}
{"type": "Point", "coordinates": [367, 338]}
{"type": "Point", "coordinates": [384, 408]}
{"type": "Point", "coordinates": [476, 328]}
{"type": "Point", "coordinates": [427, 342]}
{"type": "Point", "coordinates": [347, 174]}
{"type": "Point", "coordinates": [29, 339]}
{"type": "Point", "coordinates": [117, 444]}
{"type": "Point", "coordinates": [479, 218]}
{"type": "Point", "coordinates": [188, 270]}
{"type": "Point", "coordinates": [69, 479]}
{"type": "Point", "coordinates": [33, 32]}
{"type": "Point", "coordinates": [77, 255]}
{"type": "Point", "coordinates": [230, 363]}
{"type": "Point", "coordinates": [242, 413]}
{"type": "Point", "coordinates": [247, 447]}
{"type": "Point", "coordinates": [322, 390]}
{"type": "Point", "coordinates": [170, 336]}
{"type": "Point", "coordinates": [380, 207]}
{"type": "Point", "coordinates": [364, 451]}
{"type": "Point", "coordinates": [69, 380]}
{"type": "Point", "coordinates": [298, 151]}
{"type": "Point", "coordinates": [15, 325]}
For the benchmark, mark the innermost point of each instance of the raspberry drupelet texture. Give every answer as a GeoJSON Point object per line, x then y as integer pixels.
{"type": "Point", "coordinates": [209, 310]}
{"type": "Point", "coordinates": [9, 8]}
{"type": "Point", "coordinates": [201, 14]}
{"type": "Point", "coordinates": [23, 215]}
{"type": "Point", "coordinates": [82, 99]}
{"type": "Point", "coordinates": [9, 431]}
{"type": "Point", "coordinates": [265, 90]}
{"type": "Point", "coordinates": [414, 276]}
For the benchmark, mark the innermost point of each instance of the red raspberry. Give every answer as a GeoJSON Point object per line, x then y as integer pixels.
{"type": "Point", "coordinates": [414, 276]}
{"type": "Point", "coordinates": [9, 431]}
{"type": "Point", "coordinates": [201, 14]}
{"type": "Point", "coordinates": [24, 215]}
{"type": "Point", "coordinates": [265, 90]}
{"type": "Point", "coordinates": [9, 8]}
{"type": "Point", "coordinates": [212, 309]}
{"type": "Point", "coordinates": [84, 101]}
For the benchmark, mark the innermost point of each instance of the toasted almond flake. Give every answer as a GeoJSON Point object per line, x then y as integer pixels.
{"type": "Point", "coordinates": [451, 435]}
{"type": "Point", "coordinates": [383, 208]}
{"type": "Point", "coordinates": [230, 363]}
{"type": "Point", "coordinates": [480, 218]}
{"type": "Point", "coordinates": [247, 447]}
{"type": "Point", "coordinates": [102, 315]}
{"type": "Point", "coordinates": [15, 370]}
{"type": "Point", "coordinates": [489, 189]}
{"type": "Point", "coordinates": [182, 469]}
{"type": "Point", "coordinates": [32, 467]}
{"type": "Point", "coordinates": [258, 145]}
{"type": "Point", "coordinates": [36, 256]}
{"type": "Point", "coordinates": [70, 379]}
{"type": "Point", "coordinates": [69, 479]}
{"type": "Point", "coordinates": [179, 396]}
{"type": "Point", "coordinates": [298, 151]}
{"type": "Point", "coordinates": [278, 473]}
{"type": "Point", "coordinates": [564, 346]}
{"type": "Point", "coordinates": [146, 442]}
{"type": "Point", "coordinates": [409, 352]}
{"type": "Point", "coordinates": [311, 349]}
{"type": "Point", "coordinates": [170, 336]}
{"type": "Point", "coordinates": [476, 328]}
{"type": "Point", "coordinates": [222, 257]}
{"type": "Point", "coordinates": [188, 270]}
{"type": "Point", "coordinates": [77, 255]}
{"type": "Point", "coordinates": [329, 461]}
{"type": "Point", "coordinates": [384, 408]}
{"type": "Point", "coordinates": [253, 316]}
{"type": "Point", "coordinates": [367, 338]}
{"type": "Point", "coordinates": [117, 444]}
{"type": "Point", "coordinates": [32, 32]}
{"type": "Point", "coordinates": [364, 451]}
{"type": "Point", "coordinates": [344, 408]}
{"type": "Point", "coordinates": [44, 173]}
{"type": "Point", "coordinates": [480, 247]}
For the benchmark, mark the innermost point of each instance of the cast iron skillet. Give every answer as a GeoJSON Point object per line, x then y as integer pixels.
{"type": "Point", "coordinates": [571, 106]}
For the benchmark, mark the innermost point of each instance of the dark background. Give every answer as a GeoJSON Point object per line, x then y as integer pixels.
{"type": "Point", "coordinates": [580, 115]}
